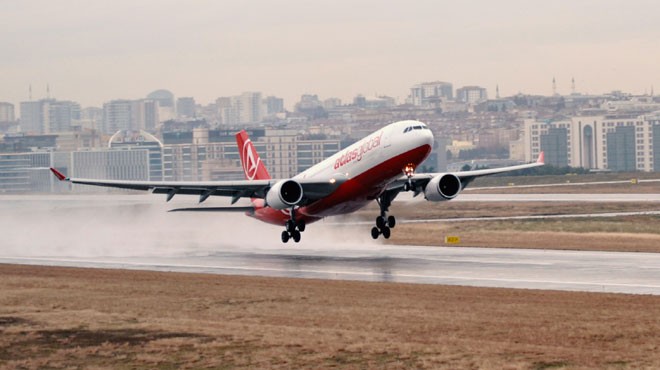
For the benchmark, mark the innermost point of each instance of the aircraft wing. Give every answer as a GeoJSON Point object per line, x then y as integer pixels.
{"type": "Point", "coordinates": [419, 181]}
{"type": "Point", "coordinates": [312, 189]}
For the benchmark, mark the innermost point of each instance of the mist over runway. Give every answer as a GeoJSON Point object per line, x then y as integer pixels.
{"type": "Point", "coordinates": [135, 232]}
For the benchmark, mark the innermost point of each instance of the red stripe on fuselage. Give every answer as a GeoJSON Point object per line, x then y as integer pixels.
{"type": "Point", "coordinates": [353, 194]}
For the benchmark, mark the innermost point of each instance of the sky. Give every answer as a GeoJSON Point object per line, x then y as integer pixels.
{"type": "Point", "coordinates": [96, 51]}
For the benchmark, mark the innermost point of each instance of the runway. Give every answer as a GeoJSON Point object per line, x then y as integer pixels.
{"type": "Point", "coordinates": [135, 232]}
{"type": "Point", "coordinates": [637, 273]}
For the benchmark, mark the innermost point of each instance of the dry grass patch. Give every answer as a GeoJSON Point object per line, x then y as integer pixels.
{"type": "Point", "coordinates": [86, 318]}
{"type": "Point", "coordinates": [430, 210]}
{"type": "Point", "coordinates": [625, 234]}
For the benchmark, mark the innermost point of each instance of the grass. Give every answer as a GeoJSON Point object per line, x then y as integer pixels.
{"type": "Point", "coordinates": [88, 318]}
{"type": "Point", "coordinates": [625, 234]}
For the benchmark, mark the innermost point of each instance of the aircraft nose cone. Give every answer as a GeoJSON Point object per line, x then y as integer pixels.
{"type": "Point", "coordinates": [426, 137]}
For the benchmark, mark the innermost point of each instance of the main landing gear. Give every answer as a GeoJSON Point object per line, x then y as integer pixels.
{"type": "Point", "coordinates": [293, 228]}
{"type": "Point", "coordinates": [384, 223]}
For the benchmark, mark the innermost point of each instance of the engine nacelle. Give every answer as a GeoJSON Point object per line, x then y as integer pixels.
{"type": "Point", "coordinates": [445, 186]}
{"type": "Point", "coordinates": [284, 194]}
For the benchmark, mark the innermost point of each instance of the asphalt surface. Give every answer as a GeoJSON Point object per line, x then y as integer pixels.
{"type": "Point", "coordinates": [135, 233]}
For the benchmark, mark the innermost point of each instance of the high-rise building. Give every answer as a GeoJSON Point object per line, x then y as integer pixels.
{"type": "Point", "coordinates": [251, 108]}
{"type": "Point", "coordinates": [117, 115]}
{"type": "Point", "coordinates": [7, 112]}
{"type": "Point", "coordinates": [274, 105]}
{"type": "Point", "coordinates": [430, 94]}
{"type": "Point", "coordinates": [229, 110]}
{"type": "Point", "coordinates": [248, 107]}
{"type": "Point", "coordinates": [145, 115]}
{"type": "Point", "coordinates": [165, 101]}
{"type": "Point", "coordinates": [185, 107]}
{"type": "Point", "coordinates": [91, 118]}
{"type": "Point", "coordinates": [61, 116]}
{"type": "Point", "coordinates": [471, 94]}
{"type": "Point", "coordinates": [616, 142]}
{"type": "Point", "coordinates": [32, 117]}
{"type": "Point", "coordinates": [48, 116]}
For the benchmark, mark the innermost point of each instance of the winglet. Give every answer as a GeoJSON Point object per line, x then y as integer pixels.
{"type": "Point", "coordinates": [541, 158]}
{"type": "Point", "coordinates": [58, 174]}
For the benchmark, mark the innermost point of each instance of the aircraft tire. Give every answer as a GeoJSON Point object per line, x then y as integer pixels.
{"type": "Point", "coordinates": [285, 236]}
{"type": "Point", "coordinates": [295, 234]}
{"type": "Point", "coordinates": [380, 222]}
{"type": "Point", "coordinates": [375, 232]}
{"type": "Point", "coordinates": [290, 226]}
{"type": "Point", "coordinates": [386, 232]}
{"type": "Point", "coordinates": [391, 221]}
{"type": "Point", "coordinates": [301, 225]}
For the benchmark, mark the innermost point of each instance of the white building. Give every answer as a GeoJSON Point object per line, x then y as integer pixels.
{"type": "Point", "coordinates": [48, 116]}
{"type": "Point", "coordinates": [133, 115]}
{"type": "Point", "coordinates": [248, 107]}
{"type": "Point", "coordinates": [117, 115]}
{"type": "Point", "coordinates": [471, 94]}
{"type": "Point", "coordinates": [7, 112]}
{"type": "Point", "coordinates": [430, 94]}
{"type": "Point", "coordinates": [618, 143]}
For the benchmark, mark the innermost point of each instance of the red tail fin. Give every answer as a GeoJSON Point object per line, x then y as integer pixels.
{"type": "Point", "coordinates": [253, 167]}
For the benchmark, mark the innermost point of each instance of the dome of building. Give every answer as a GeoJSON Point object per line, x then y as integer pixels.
{"type": "Point", "coordinates": [165, 98]}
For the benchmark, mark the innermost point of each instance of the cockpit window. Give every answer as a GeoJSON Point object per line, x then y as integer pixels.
{"type": "Point", "coordinates": [417, 127]}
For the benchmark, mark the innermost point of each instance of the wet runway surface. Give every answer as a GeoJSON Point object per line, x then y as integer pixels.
{"type": "Point", "coordinates": [637, 273]}
{"type": "Point", "coordinates": [135, 233]}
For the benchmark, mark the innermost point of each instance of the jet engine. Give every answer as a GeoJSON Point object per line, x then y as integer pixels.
{"type": "Point", "coordinates": [284, 194]}
{"type": "Point", "coordinates": [445, 186]}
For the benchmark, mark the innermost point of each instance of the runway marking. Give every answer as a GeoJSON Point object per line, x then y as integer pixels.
{"type": "Point", "coordinates": [505, 218]}
{"type": "Point", "coordinates": [562, 184]}
{"type": "Point", "coordinates": [555, 284]}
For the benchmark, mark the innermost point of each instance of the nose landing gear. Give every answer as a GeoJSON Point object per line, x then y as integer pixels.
{"type": "Point", "coordinates": [385, 223]}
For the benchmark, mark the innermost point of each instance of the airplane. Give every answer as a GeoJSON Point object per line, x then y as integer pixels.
{"type": "Point", "coordinates": [378, 167]}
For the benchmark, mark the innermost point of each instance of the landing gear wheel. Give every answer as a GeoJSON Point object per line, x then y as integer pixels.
{"type": "Point", "coordinates": [375, 232]}
{"type": "Point", "coordinates": [391, 221]}
{"type": "Point", "coordinates": [290, 226]}
{"type": "Point", "coordinates": [386, 232]}
{"type": "Point", "coordinates": [295, 234]}
{"type": "Point", "coordinates": [301, 225]}
{"type": "Point", "coordinates": [285, 236]}
{"type": "Point", "coordinates": [380, 222]}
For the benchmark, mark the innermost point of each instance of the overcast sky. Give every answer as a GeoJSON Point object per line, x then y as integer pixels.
{"type": "Point", "coordinates": [95, 51]}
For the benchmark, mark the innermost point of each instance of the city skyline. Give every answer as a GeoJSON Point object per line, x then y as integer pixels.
{"type": "Point", "coordinates": [339, 49]}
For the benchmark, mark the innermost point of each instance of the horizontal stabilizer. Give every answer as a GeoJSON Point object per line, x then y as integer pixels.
{"type": "Point", "coordinates": [213, 209]}
{"type": "Point", "coordinates": [58, 174]}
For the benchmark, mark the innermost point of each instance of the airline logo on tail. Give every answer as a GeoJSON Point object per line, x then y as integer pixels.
{"type": "Point", "coordinates": [252, 165]}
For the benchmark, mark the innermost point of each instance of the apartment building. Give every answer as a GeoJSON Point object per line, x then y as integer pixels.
{"type": "Point", "coordinates": [608, 142]}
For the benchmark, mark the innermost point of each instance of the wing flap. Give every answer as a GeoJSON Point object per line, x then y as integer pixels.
{"type": "Point", "coordinates": [214, 209]}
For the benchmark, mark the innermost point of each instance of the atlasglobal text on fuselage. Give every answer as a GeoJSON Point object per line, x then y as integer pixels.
{"type": "Point", "coordinates": [376, 168]}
